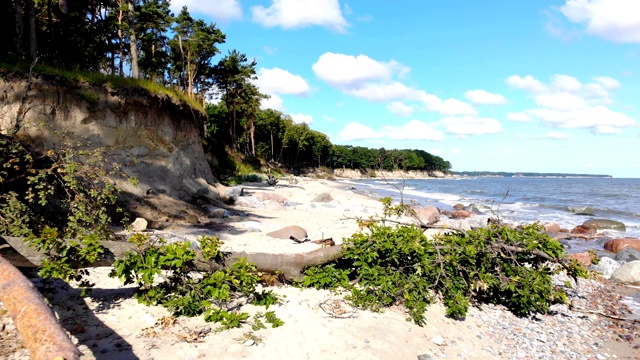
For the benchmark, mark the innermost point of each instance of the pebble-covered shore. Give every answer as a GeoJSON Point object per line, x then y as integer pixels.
{"type": "Point", "coordinates": [585, 329]}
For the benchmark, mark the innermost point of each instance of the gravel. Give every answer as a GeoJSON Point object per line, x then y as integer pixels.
{"type": "Point", "coordinates": [584, 329]}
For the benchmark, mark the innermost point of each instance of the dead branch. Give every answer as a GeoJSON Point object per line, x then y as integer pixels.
{"type": "Point", "coordinates": [43, 336]}
{"type": "Point", "coordinates": [420, 225]}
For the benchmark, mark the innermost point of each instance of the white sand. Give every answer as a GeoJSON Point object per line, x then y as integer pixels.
{"type": "Point", "coordinates": [110, 324]}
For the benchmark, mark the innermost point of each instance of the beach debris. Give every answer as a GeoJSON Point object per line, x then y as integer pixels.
{"type": "Point", "coordinates": [337, 308]}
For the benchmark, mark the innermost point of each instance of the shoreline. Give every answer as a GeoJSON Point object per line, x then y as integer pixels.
{"type": "Point", "coordinates": [110, 324]}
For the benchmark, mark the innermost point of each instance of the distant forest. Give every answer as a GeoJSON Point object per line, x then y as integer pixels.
{"type": "Point", "coordinates": [524, 174]}
{"type": "Point", "coordinates": [145, 41]}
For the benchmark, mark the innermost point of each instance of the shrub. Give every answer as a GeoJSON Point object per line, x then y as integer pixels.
{"type": "Point", "coordinates": [399, 265]}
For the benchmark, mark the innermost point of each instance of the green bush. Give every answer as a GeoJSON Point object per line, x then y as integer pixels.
{"type": "Point", "coordinates": [166, 274]}
{"type": "Point", "coordinates": [391, 265]}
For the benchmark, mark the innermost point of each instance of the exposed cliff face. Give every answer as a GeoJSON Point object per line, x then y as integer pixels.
{"type": "Point", "coordinates": [152, 136]}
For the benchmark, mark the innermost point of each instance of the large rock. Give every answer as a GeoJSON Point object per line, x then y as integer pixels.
{"type": "Point", "coordinates": [604, 224]}
{"type": "Point", "coordinates": [286, 233]}
{"type": "Point", "coordinates": [628, 274]}
{"type": "Point", "coordinates": [552, 228]}
{"type": "Point", "coordinates": [606, 266]}
{"type": "Point", "coordinates": [139, 225]}
{"type": "Point", "coordinates": [250, 202]}
{"type": "Point", "coordinates": [583, 230]}
{"type": "Point", "coordinates": [428, 214]}
{"type": "Point", "coordinates": [615, 245]}
{"type": "Point", "coordinates": [461, 214]}
{"type": "Point", "coordinates": [626, 255]}
{"type": "Point", "coordinates": [583, 258]}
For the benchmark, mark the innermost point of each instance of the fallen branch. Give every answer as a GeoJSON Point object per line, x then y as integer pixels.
{"type": "Point", "coordinates": [20, 254]}
{"type": "Point", "coordinates": [419, 225]}
{"type": "Point", "coordinates": [43, 336]}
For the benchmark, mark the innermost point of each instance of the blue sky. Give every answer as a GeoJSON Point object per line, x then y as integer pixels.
{"type": "Point", "coordinates": [495, 85]}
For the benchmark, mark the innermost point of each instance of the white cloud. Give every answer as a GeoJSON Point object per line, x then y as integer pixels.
{"type": "Point", "coordinates": [446, 107]}
{"type": "Point", "coordinates": [369, 79]}
{"type": "Point", "coordinates": [343, 71]}
{"type": "Point", "coordinates": [356, 131]}
{"type": "Point", "coordinates": [519, 117]}
{"type": "Point", "coordinates": [608, 82]}
{"type": "Point", "coordinates": [599, 118]}
{"type": "Point", "coordinates": [435, 151]}
{"type": "Point", "coordinates": [614, 20]}
{"type": "Point", "coordinates": [301, 118]}
{"type": "Point", "coordinates": [327, 118]}
{"type": "Point", "coordinates": [528, 83]}
{"type": "Point", "coordinates": [567, 103]}
{"type": "Point", "coordinates": [382, 91]}
{"type": "Point", "coordinates": [269, 50]}
{"type": "Point", "coordinates": [561, 101]}
{"type": "Point", "coordinates": [413, 130]}
{"type": "Point", "coordinates": [273, 102]}
{"type": "Point", "coordinates": [291, 14]}
{"type": "Point", "coordinates": [279, 81]}
{"type": "Point", "coordinates": [566, 83]}
{"type": "Point", "coordinates": [223, 10]}
{"type": "Point", "coordinates": [470, 125]}
{"type": "Point", "coordinates": [484, 97]}
{"type": "Point", "coordinates": [400, 108]}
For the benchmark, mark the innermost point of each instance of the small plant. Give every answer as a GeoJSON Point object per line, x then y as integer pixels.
{"type": "Point", "coordinates": [167, 275]}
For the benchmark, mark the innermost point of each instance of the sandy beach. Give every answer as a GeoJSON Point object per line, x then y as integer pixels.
{"type": "Point", "coordinates": [110, 324]}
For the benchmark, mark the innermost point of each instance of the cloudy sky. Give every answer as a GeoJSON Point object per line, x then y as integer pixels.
{"type": "Point", "coordinates": [496, 85]}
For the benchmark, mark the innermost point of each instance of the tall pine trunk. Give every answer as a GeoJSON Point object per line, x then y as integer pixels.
{"type": "Point", "coordinates": [133, 42]}
{"type": "Point", "coordinates": [33, 41]}
{"type": "Point", "coordinates": [18, 36]}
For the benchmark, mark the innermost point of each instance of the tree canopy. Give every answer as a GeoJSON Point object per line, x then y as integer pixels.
{"type": "Point", "coordinates": [143, 39]}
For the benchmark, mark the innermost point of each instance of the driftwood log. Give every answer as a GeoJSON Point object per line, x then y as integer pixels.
{"type": "Point", "coordinates": [43, 336]}
{"type": "Point", "coordinates": [18, 253]}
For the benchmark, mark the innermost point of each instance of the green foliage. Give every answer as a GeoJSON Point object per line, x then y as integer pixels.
{"type": "Point", "coordinates": [399, 265]}
{"type": "Point", "coordinates": [167, 275]}
{"type": "Point", "coordinates": [55, 196]}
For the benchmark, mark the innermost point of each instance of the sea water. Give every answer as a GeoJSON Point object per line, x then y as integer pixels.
{"type": "Point", "coordinates": [566, 201]}
{"type": "Point", "coordinates": [518, 200]}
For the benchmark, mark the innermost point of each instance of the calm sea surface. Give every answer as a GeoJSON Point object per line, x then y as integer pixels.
{"type": "Point", "coordinates": [566, 201]}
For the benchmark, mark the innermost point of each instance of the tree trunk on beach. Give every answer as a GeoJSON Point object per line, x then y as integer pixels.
{"type": "Point", "coordinates": [18, 253]}
{"type": "Point", "coordinates": [43, 336]}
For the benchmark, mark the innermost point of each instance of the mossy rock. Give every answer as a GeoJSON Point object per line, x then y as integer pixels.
{"type": "Point", "coordinates": [604, 224]}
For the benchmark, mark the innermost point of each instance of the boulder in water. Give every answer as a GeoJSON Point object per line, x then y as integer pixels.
{"type": "Point", "coordinates": [626, 255]}
{"type": "Point", "coordinates": [604, 224]}
{"type": "Point", "coordinates": [616, 245]}
{"type": "Point", "coordinates": [583, 230]}
{"type": "Point", "coordinates": [461, 214]}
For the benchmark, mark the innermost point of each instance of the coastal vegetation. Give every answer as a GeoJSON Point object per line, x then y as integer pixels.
{"type": "Point", "coordinates": [61, 194]}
